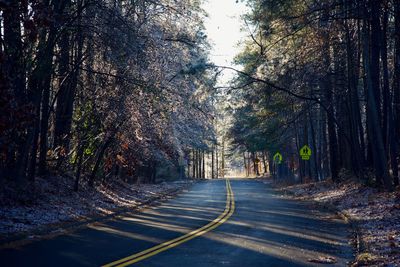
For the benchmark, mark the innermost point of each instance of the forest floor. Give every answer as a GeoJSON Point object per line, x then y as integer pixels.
{"type": "Point", "coordinates": [375, 215]}
{"type": "Point", "coordinates": [53, 205]}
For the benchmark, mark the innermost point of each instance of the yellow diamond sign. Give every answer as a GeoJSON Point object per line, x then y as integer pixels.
{"type": "Point", "coordinates": [305, 152]}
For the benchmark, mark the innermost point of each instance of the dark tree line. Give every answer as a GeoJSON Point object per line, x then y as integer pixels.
{"type": "Point", "coordinates": [325, 74]}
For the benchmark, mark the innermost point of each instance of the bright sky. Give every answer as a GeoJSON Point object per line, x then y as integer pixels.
{"type": "Point", "coordinates": [223, 30]}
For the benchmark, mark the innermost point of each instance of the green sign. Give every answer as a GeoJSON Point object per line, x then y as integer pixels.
{"type": "Point", "coordinates": [278, 158]}
{"type": "Point", "coordinates": [305, 152]}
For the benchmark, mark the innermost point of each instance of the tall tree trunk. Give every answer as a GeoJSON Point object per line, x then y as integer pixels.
{"type": "Point", "coordinates": [389, 131]}
{"type": "Point", "coordinates": [64, 87]}
{"type": "Point", "coordinates": [35, 96]}
{"type": "Point", "coordinates": [264, 162]}
{"type": "Point", "coordinates": [376, 138]}
{"type": "Point", "coordinates": [253, 160]}
{"type": "Point", "coordinates": [69, 81]}
{"type": "Point", "coordinates": [300, 162]}
{"type": "Point", "coordinates": [314, 146]}
{"type": "Point", "coordinates": [395, 130]}
{"type": "Point", "coordinates": [396, 71]}
{"type": "Point", "coordinates": [193, 163]}
{"type": "Point", "coordinates": [81, 148]}
{"type": "Point", "coordinates": [324, 144]}
{"type": "Point", "coordinates": [212, 163]}
{"type": "Point", "coordinates": [14, 72]}
{"type": "Point", "coordinates": [248, 164]}
{"type": "Point", "coordinates": [216, 161]}
{"type": "Point", "coordinates": [327, 85]}
{"type": "Point", "coordinates": [43, 82]}
{"type": "Point", "coordinates": [394, 112]}
{"type": "Point", "coordinates": [203, 175]}
{"type": "Point", "coordinates": [44, 122]}
{"type": "Point", "coordinates": [199, 164]}
{"type": "Point", "coordinates": [99, 158]}
{"type": "Point", "coordinates": [357, 163]}
{"type": "Point", "coordinates": [223, 157]}
{"type": "Point", "coordinates": [375, 49]}
{"type": "Point", "coordinates": [385, 76]}
{"type": "Point", "coordinates": [245, 164]}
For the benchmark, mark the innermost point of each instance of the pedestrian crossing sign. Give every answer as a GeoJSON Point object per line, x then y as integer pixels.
{"type": "Point", "coordinates": [305, 152]}
{"type": "Point", "coordinates": [278, 158]}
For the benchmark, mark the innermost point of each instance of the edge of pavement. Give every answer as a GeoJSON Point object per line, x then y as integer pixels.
{"type": "Point", "coordinates": [356, 241]}
{"type": "Point", "coordinates": [49, 231]}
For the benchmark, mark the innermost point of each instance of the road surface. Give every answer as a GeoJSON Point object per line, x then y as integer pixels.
{"type": "Point", "coordinates": [240, 222]}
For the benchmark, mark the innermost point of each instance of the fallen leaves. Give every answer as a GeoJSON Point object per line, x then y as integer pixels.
{"type": "Point", "coordinates": [324, 260]}
{"type": "Point", "coordinates": [56, 202]}
{"type": "Point", "coordinates": [377, 215]}
{"type": "Point", "coordinates": [365, 259]}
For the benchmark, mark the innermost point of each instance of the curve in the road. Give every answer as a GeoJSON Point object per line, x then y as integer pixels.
{"type": "Point", "coordinates": [229, 209]}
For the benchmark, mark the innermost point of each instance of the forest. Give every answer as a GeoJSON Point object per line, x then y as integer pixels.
{"type": "Point", "coordinates": [102, 90]}
{"type": "Point", "coordinates": [324, 74]}
{"type": "Point", "coordinates": [116, 121]}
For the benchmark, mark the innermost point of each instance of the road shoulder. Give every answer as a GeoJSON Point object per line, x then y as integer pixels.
{"type": "Point", "coordinates": [374, 216]}
{"type": "Point", "coordinates": [35, 228]}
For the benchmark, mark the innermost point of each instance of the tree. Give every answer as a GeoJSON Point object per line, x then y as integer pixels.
{"type": "Point", "coordinates": [326, 60]}
{"type": "Point", "coordinates": [103, 89]}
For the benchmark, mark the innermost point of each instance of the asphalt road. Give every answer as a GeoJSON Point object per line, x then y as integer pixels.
{"type": "Point", "coordinates": [250, 226]}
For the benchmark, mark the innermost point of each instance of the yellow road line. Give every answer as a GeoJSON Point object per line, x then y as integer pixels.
{"type": "Point", "coordinates": [229, 209]}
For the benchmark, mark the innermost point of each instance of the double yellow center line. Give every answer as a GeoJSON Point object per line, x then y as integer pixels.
{"type": "Point", "coordinates": [229, 209]}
